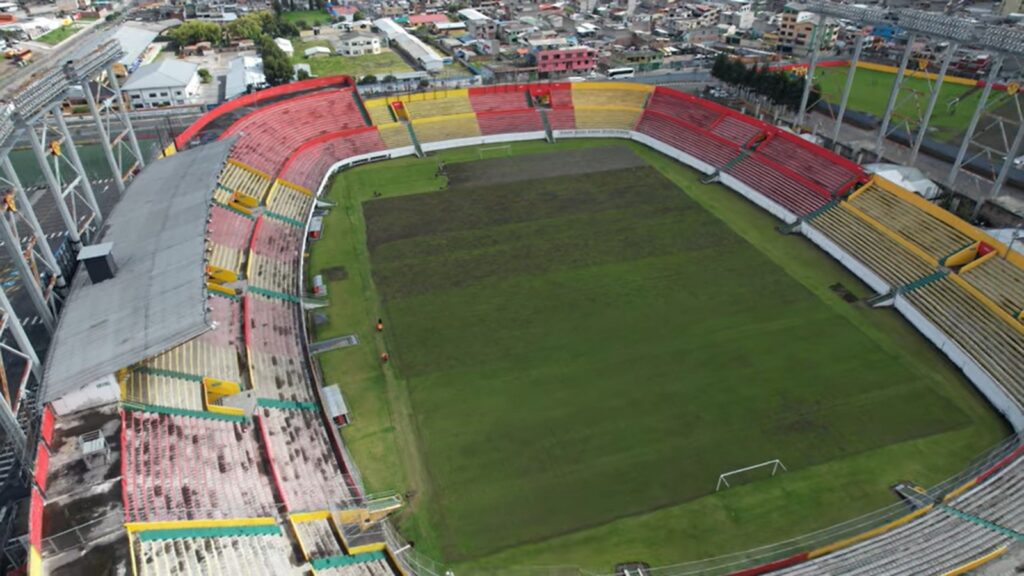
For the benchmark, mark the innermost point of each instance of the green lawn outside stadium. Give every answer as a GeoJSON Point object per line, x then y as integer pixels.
{"type": "Point", "coordinates": [870, 94]}
{"type": "Point", "coordinates": [572, 366]}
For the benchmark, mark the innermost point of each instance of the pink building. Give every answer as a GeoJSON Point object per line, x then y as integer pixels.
{"type": "Point", "coordinates": [582, 59]}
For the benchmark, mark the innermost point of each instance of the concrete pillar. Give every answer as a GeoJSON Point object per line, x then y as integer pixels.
{"type": "Point", "coordinates": [857, 47]}
{"type": "Point", "coordinates": [922, 131]}
{"type": "Point", "coordinates": [893, 95]}
{"type": "Point", "coordinates": [809, 77]}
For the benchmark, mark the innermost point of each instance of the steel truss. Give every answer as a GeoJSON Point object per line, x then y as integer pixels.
{"type": "Point", "coordinates": [1003, 42]}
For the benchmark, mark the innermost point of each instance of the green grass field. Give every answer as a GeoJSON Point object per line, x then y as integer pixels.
{"type": "Point", "coordinates": [309, 17]}
{"type": "Point", "coordinates": [380, 65]}
{"type": "Point", "coordinates": [577, 357]}
{"type": "Point", "coordinates": [58, 35]}
{"type": "Point", "coordinates": [870, 94]}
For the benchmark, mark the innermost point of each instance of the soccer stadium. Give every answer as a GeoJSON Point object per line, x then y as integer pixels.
{"type": "Point", "coordinates": [543, 328]}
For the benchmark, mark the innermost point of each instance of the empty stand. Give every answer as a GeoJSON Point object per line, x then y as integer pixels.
{"type": "Point", "coordinates": [736, 129]}
{"type": "Point", "coordinates": [304, 460]}
{"type": "Point", "coordinates": [226, 316]}
{"type": "Point", "coordinates": [280, 377]}
{"type": "Point", "coordinates": [380, 111]}
{"type": "Point", "coordinates": [502, 98]}
{"type": "Point", "coordinates": [198, 358]}
{"type": "Point", "coordinates": [561, 118]}
{"type": "Point", "coordinates": [983, 335]}
{"type": "Point", "coordinates": [932, 544]}
{"type": "Point", "coordinates": [1001, 281]}
{"type": "Point", "coordinates": [438, 129]}
{"type": "Point", "coordinates": [687, 139]}
{"type": "Point", "coordinates": [395, 135]}
{"type": "Point", "coordinates": [785, 190]}
{"type": "Point", "coordinates": [441, 103]}
{"type": "Point", "coordinates": [610, 94]}
{"type": "Point", "coordinates": [509, 122]}
{"type": "Point", "coordinates": [888, 259]}
{"type": "Point", "coordinates": [143, 387]}
{"type": "Point", "coordinates": [934, 236]}
{"type": "Point", "coordinates": [376, 565]}
{"type": "Point", "coordinates": [683, 107]}
{"type": "Point", "coordinates": [274, 326]}
{"type": "Point", "coordinates": [277, 239]}
{"type": "Point", "coordinates": [310, 163]}
{"type": "Point", "coordinates": [291, 201]}
{"type": "Point", "coordinates": [606, 117]}
{"type": "Point", "coordinates": [184, 467]}
{"type": "Point", "coordinates": [318, 537]}
{"type": "Point", "coordinates": [238, 178]}
{"type": "Point", "coordinates": [269, 135]}
{"type": "Point", "coordinates": [278, 276]}
{"type": "Point", "coordinates": [241, 551]}
{"type": "Point", "coordinates": [830, 171]}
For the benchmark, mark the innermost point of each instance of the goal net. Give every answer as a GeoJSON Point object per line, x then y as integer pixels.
{"type": "Point", "coordinates": [750, 473]}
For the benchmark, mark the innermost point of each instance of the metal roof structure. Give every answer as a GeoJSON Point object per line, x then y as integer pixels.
{"type": "Point", "coordinates": [163, 74]}
{"type": "Point", "coordinates": [157, 300]}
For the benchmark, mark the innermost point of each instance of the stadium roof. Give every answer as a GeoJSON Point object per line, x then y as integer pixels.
{"type": "Point", "coordinates": [157, 299]}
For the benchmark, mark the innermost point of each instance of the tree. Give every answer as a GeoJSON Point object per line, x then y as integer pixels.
{"type": "Point", "coordinates": [368, 79]}
{"type": "Point", "coordinates": [390, 78]}
{"type": "Point", "coordinates": [204, 75]}
{"type": "Point", "coordinates": [358, 16]}
{"type": "Point", "coordinates": [195, 31]}
{"type": "Point", "coordinates": [277, 8]}
{"type": "Point", "coordinates": [302, 74]}
{"type": "Point", "coordinates": [246, 26]}
{"type": "Point", "coordinates": [277, 68]}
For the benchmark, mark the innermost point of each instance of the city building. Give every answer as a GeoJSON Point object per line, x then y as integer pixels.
{"type": "Point", "coordinates": [796, 28]}
{"type": "Point", "coordinates": [399, 37]}
{"type": "Point", "coordinates": [566, 61]}
{"type": "Point", "coordinates": [168, 82]}
{"type": "Point", "coordinates": [245, 73]}
{"type": "Point", "coordinates": [357, 44]}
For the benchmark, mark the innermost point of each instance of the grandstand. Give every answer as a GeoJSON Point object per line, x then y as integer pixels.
{"type": "Point", "coordinates": [229, 462]}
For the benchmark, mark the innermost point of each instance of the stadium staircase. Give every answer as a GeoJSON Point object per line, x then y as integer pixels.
{"type": "Point", "coordinates": [414, 139]}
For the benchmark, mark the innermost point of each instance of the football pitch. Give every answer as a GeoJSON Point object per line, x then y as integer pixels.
{"type": "Point", "coordinates": [582, 337]}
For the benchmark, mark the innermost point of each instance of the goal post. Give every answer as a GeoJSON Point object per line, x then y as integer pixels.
{"type": "Point", "coordinates": [503, 150]}
{"type": "Point", "coordinates": [775, 465]}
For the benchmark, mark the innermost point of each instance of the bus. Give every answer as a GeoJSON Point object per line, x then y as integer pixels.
{"type": "Point", "coordinates": [615, 73]}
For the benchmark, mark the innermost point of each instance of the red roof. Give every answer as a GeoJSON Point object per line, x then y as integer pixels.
{"type": "Point", "coordinates": [427, 19]}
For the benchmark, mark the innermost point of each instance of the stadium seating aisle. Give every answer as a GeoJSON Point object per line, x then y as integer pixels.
{"type": "Point", "coordinates": [143, 387]}
{"type": "Point", "coordinates": [1000, 280]}
{"type": "Point", "coordinates": [317, 537]}
{"type": "Point", "coordinates": [238, 178]}
{"type": "Point", "coordinates": [168, 552]}
{"type": "Point", "coordinates": [304, 460]}
{"type": "Point", "coordinates": [993, 343]}
{"type": "Point", "coordinates": [184, 467]}
{"type": "Point", "coordinates": [893, 263]}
